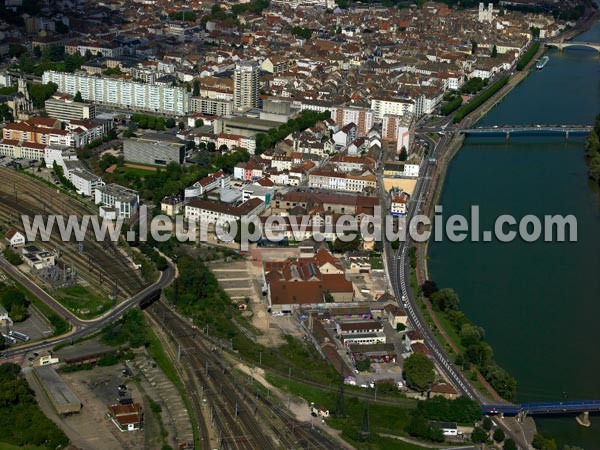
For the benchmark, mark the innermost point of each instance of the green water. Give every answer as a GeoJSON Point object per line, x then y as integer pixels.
{"type": "Point", "coordinates": [538, 302]}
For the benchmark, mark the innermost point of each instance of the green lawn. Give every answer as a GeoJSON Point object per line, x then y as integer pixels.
{"type": "Point", "coordinates": [135, 171]}
{"type": "Point", "coordinates": [78, 299]}
{"type": "Point", "coordinates": [376, 262]}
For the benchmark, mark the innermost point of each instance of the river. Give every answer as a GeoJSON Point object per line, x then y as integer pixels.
{"type": "Point", "coordinates": [538, 302]}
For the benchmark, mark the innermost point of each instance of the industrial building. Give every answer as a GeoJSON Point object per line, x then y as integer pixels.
{"type": "Point", "coordinates": [60, 395]}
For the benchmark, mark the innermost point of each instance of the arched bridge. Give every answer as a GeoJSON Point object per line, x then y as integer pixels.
{"type": "Point", "coordinates": [561, 45]}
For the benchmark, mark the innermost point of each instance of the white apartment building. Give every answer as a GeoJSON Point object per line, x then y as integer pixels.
{"type": "Point", "coordinates": [58, 154]}
{"type": "Point", "coordinates": [116, 201]}
{"type": "Point", "coordinates": [122, 93]}
{"type": "Point", "coordinates": [396, 107]}
{"type": "Point", "coordinates": [85, 182]}
{"type": "Point", "coordinates": [218, 179]}
{"type": "Point", "coordinates": [328, 179]}
{"type": "Point", "coordinates": [210, 213]}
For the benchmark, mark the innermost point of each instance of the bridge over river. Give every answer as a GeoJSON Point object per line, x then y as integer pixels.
{"type": "Point", "coordinates": [508, 130]}
{"type": "Point", "coordinates": [581, 407]}
{"type": "Point", "coordinates": [561, 45]}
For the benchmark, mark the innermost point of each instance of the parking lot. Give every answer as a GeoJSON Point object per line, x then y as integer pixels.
{"type": "Point", "coordinates": [35, 326]}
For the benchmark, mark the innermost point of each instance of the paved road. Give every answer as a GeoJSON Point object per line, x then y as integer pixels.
{"type": "Point", "coordinates": [81, 328]}
{"type": "Point", "coordinates": [399, 275]}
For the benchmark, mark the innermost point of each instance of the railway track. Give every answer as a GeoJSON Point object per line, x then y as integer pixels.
{"type": "Point", "coordinates": [245, 419]}
{"type": "Point", "coordinates": [101, 263]}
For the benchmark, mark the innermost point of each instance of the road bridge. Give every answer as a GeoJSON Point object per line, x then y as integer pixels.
{"type": "Point", "coordinates": [561, 45]}
{"type": "Point", "coordinates": [581, 407]}
{"type": "Point", "coordinates": [508, 130]}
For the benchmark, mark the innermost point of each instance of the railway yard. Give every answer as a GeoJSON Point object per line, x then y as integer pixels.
{"type": "Point", "coordinates": [241, 415]}
{"type": "Point", "coordinates": [101, 264]}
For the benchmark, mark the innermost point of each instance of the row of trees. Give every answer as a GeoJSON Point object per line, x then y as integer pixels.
{"type": "Point", "coordinates": [480, 99]}
{"type": "Point", "coordinates": [21, 420]}
{"type": "Point", "coordinates": [527, 56]}
{"type": "Point", "coordinates": [592, 147]}
{"type": "Point", "coordinates": [305, 120]}
{"type": "Point", "coordinates": [451, 105]}
{"type": "Point", "coordinates": [157, 123]}
{"type": "Point", "coordinates": [172, 179]}
{"type": "Point", "coordinates": [476, 351]}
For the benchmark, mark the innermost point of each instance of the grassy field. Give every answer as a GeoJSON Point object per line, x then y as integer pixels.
{"type": "Point", "coordinates": [79, 298]}
{"type": "Point", "coordinates": [5, 446]}
{"type": "Point", "coordinates": [384, 418]}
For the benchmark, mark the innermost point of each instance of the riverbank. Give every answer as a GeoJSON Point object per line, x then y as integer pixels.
{"type": "Point", "coordinates": [438, 178]}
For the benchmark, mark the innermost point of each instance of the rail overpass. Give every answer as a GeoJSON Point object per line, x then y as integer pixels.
{"type": "Point", "coordinates": [508, 130]}
{"type": "Point", "coordinates": [561, 45]}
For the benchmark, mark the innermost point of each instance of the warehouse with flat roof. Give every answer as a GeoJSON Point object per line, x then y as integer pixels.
{"type": "Point", "coordinates": [60, 394]}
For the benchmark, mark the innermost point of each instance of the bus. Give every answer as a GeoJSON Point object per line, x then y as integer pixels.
{"type": "Point", "coordinates": [20, 336]}
{"type": "Point", "coordinates": [9, 339]}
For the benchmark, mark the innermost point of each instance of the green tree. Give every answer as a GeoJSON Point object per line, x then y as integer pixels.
{"type": "Point", "coordinates": [499, 435]}
{"type": "Point", "coordinates": [509, 444]}
{"type": "Point", "coordinates": [494, 52]}
{"type": "Point", "coordinates": [418, 371]}
{"type": "Point", "coordinates": [39, 93]}
{"type": "Point", "coordinates": [196, 89]}
{"type": "Point", "coordinates": [2, 342]}
{"type": "Point", "coordinates": [541, 443]}
{"type": "Point", "coordinates": [181, 125]}
{"type": "Point", "coordinates": [199, 123]}
{"type": "Point", "coordinates": [479, 435]}
{"type": "Point", "coordinates": [78, 97]}
{"type": "Point", "coordinates": [12, 257]}
{"type": "Point", "coordinates": [470, 334]}
{"type": "Point", "coordinates": [403, 154]}
{"type": "Point", "coordinates": [487, 424]}
{"type": "Point", "coordinates": [445, 299]}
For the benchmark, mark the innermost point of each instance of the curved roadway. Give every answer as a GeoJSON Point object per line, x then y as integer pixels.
{"type": "Point", "coordinates": [80, 327]}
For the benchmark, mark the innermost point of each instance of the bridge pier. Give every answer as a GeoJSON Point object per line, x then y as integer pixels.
{"type": "Point", "coordinates": [567, 135]}
{"type": "Point", "coordinates": [583, 419]}
{"type": "Point", "coordinates": [507, 136]}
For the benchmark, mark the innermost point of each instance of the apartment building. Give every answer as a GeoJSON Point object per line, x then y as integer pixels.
{"type": "Point", "coordinates": [116, 201]}
{"type": "Point", "coordinates": [392, 106]}
{"type": "Point", "coordinates": [245, 85]}
{"type": "Point", "coordinates": [218, 179]}
{"type": "Point", "coordinates": [339, 181]}
{"type": "Point", "coordinates": [85, 182]}
{"type": "Point", "coordinates": [66, 109]}
{"type": "Point", "coordinates": [362, 117]}
{"type": "Point", "coordinates": [210, 213]}
{"type": "Point", "coordinates": [399, 129]}
{"type": "Point", "coordinates": [211, 106]}
{"type": "Point", "coordinates": [122, 93]}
